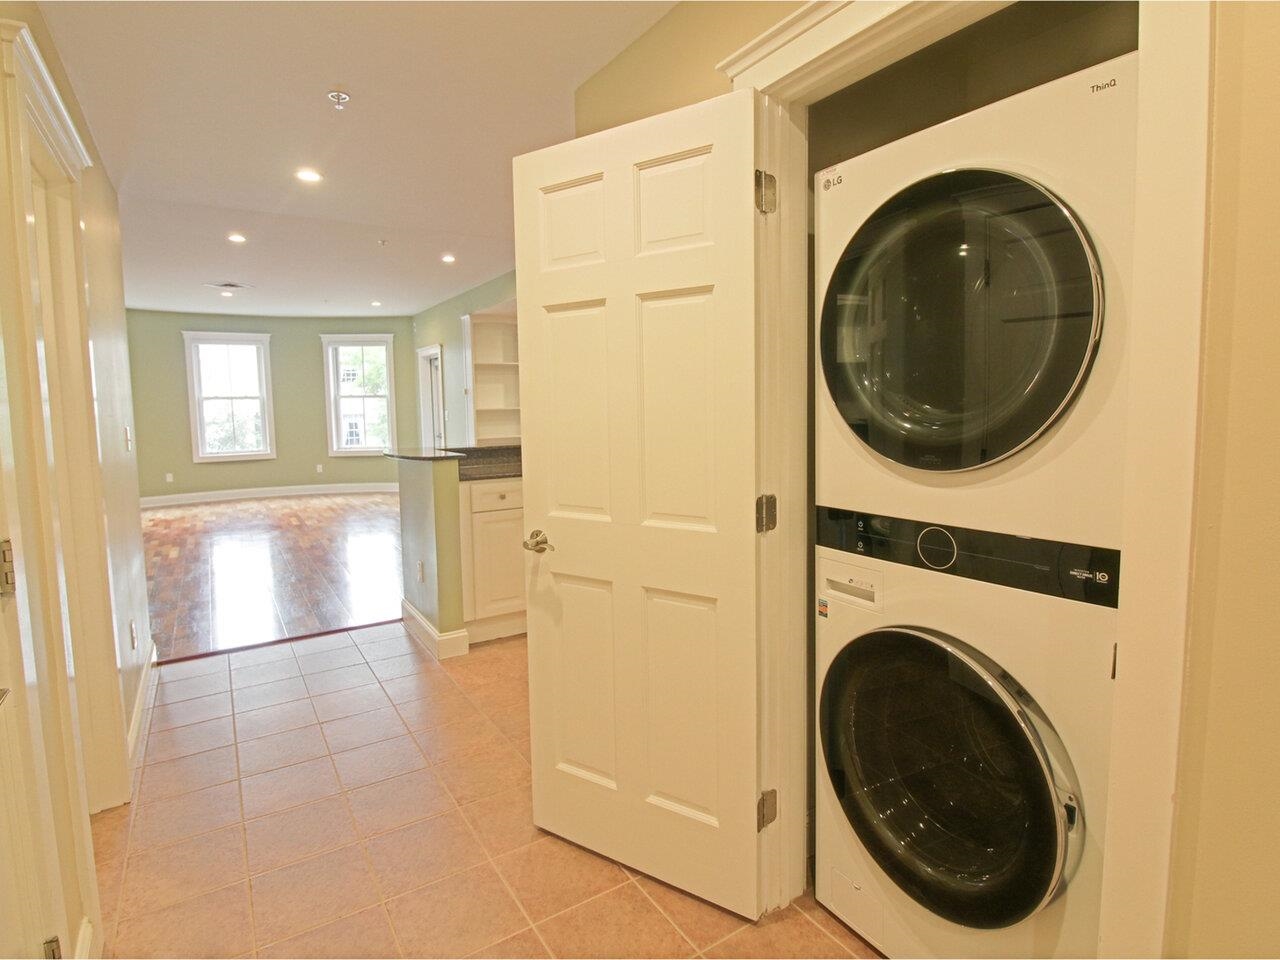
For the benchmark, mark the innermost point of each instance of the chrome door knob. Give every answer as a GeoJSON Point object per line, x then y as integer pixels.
{"type": "Point", "coordinates": [537, 542]}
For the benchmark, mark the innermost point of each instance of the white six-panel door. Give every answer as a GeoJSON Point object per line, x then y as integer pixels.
{"type": "Point", "coordinates": [635, 271]}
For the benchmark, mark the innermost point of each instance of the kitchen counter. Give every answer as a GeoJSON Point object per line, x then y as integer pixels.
{"type": "Point", "coordinates": [488, 463]}
{"type": "Point", "coordinates": [423, 453]}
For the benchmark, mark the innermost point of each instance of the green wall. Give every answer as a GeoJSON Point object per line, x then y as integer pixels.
{"type": "Point", "coordinates": [442, 324]}
{"type": "Point", "coordinates": [162, 421]}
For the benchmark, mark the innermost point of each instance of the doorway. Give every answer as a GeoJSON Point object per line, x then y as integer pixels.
{"type": "Point", "coordinates": [431, 395]}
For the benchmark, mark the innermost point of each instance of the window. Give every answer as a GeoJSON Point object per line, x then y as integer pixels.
{"type": "Point", "coordinates": [229, 386]}
{"type": "Point", "coordinates": [360, 393]}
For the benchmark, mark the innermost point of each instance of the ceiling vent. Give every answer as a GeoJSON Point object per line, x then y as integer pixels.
{"type": "Point", "coordinates": [228, 285]}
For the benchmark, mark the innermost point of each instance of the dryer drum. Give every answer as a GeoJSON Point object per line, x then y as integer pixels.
{"type": "Point", "coordinates": [944, 778]}
{"type": "Point", "coordinates": [961, 320]}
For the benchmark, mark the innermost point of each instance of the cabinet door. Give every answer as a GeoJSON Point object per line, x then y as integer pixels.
{"type": "Point", "coordinates": [496, 545]}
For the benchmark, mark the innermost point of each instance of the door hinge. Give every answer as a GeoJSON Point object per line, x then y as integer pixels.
{"type": "Point", "coordinates": [53, 949]}
{"type": "Point", "coordinates": [766, 192]}
{"type": "Point", "coordinates": [8, 574]}
{"type": "Point", "coordinates": [766, 809]}
{"type": "Point", "coordinates": [766, 512]}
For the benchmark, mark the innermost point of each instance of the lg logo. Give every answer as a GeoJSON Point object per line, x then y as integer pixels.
{"type": "Point", "coordinates": [829, 182]}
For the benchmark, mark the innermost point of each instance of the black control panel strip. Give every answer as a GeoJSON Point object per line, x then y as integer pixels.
{"type": "Point", "coordinates": [1069, 570]}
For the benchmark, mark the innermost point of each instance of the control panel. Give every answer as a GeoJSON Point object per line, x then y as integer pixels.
{"type": "Point", "coordinates": [1070, 570]}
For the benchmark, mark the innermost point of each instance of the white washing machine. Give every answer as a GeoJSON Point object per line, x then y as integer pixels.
{"type": "Point", "coordinates": [970, 427]}
{"type": "Point", "coordinates": [962, 748]}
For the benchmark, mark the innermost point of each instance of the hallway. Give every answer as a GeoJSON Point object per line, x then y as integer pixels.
{"type": "Point", "coordinates": [349, 796]}
{"type": "Point", "coordinates": [242, 572]}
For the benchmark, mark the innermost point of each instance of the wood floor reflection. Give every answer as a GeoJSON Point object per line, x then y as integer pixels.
{"type": "Point", "coordinates": [228, 575]}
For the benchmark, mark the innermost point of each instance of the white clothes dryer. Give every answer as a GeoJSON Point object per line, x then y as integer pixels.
{"type": "Point", "coordinates": [972, 315]}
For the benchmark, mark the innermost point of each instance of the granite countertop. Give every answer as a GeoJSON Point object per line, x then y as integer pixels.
{"type": "Point", "coordinates": [488, 463]}
{"type": "Point", "coordinates": [422, 453]}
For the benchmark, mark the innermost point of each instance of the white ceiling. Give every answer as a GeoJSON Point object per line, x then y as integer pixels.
{"type": "Point", "coordinates": [202, 112]}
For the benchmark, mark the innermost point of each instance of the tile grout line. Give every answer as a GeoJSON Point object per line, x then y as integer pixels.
{"type": "Point", "coordinates": [670, 919]}
{"type": "Point", "coordinates": [244, 838]}
{"type": "Point", "coordinates": [830, 936]}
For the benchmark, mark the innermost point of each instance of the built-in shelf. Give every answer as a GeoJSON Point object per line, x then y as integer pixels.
{"type": "Point", "coordinates": [494, 381]}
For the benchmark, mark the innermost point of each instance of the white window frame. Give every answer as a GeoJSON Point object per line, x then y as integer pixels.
{"type": "Point", "coordinates": [329, 342]}
{"type": "Point", "coordinates": [192, 340]}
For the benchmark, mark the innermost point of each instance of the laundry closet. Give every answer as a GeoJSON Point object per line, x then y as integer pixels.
{"type": "Point", "coordinates": [866, 521]}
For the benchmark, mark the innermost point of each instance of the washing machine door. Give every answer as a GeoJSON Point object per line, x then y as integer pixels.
{"type": "Point", "coordinates": [961, 320]}
{"type": "Point", "coordinates": [951, 777]}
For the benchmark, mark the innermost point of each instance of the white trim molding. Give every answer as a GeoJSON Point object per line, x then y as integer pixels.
{"type": "Point", "coordinates": [192, 341]}
{"type": "Point", "coordinates": [44, 106]}
{"type": "Point", "coordinates": [141, 701]}
{"type": "Point", "coordinates": [440, 645]}
{"type": "Point", "coordinates": [329, 342]}
{"type": "Point", "coordinates": [495, 628]}
{"type": "Point", "coordinates": [825, 46]}
{"type": "Point", "coordinates": [262, 493]}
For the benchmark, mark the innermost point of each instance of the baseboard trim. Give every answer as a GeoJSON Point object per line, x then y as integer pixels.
{"type": "Point", "coordinates": [140, 710]}
{"type": "Point", "coordinates": [89, 942]}
{"type": "Point", "coordinates": [257, 493]}
{"type": "Point", "coordinates": [495, 628]}
{"type": "Point", "coordinates": [440, 645]}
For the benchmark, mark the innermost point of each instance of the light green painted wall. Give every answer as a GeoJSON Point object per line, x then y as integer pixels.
{"type": "Point", "coordinates": [163, 428]}
{"type": "Point", "coordinates": [429, 519]}
{"type": "Point", "coordinates": [442, 324]}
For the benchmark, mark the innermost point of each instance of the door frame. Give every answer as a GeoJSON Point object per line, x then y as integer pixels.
{"type": "Point", "coordinates": [71, 716]}
{"type": "Point", "coordinates": [431, 401]}
{"type": "Point", "coordinates": [826, 46]}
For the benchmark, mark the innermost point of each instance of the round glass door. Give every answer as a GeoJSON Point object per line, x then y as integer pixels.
{"type": "Point", "coordinates": [961, 320]}
{"type": "Point", "coordinates": [941, 777]}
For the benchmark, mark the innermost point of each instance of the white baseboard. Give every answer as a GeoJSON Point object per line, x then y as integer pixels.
{"type": "Point", "coordinates": [89, 941]}
{"type": "Point", "coordinates": [257, 493]}
{"type": "Point", "coordinates": [439, 645]}
{"type": "Point", "coordinates": [494, 628]}
{"type": "Point", "coordinates": [140, 710]}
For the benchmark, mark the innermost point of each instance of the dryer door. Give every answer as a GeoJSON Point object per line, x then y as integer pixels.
{"type": "Point", "coordinates": [950, 776]}
{"type": "Point", "coordinates": [961, 320]}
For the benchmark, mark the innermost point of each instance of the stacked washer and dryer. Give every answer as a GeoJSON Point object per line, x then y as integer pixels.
{"type": "Point", "coordinates": [972, 335]}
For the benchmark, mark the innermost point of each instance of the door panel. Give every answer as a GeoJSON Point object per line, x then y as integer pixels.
{"type": "Point", "coordinates": [636, 259]}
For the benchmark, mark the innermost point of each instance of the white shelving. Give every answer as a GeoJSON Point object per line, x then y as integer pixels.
{"type": "Point", "coordinates": [493, 390]}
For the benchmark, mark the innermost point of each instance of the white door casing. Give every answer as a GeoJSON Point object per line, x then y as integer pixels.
{"type": "Point", "coordinates": [635, 256]}
{"type": "Point", "coordinates": [57, 653]}
{"type": "Point", "coordinates": [431, 422]}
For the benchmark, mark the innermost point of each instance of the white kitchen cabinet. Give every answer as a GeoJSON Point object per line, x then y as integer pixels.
{"type": "Point", "coordinates": [498, 562]}
{"type": "Point", "coordinates": [491, 521]}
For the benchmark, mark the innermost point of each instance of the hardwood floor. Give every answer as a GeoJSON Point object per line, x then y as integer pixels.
{"type": "Point", "coordinates": [228, 575]}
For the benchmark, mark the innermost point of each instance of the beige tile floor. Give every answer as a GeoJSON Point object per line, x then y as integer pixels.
{"type": "Point", "coordinates": [349, 796]}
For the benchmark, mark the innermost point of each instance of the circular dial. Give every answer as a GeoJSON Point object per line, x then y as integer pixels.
{"type": "Point", "coordinates": [936, 547]}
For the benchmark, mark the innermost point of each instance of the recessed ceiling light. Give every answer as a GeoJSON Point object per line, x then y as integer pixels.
{"type": "Point", "coordinates": [307, 175]}
{"type": "Point", "coordinates": [375, 303]}
{"type": "Point", "coordinates": [227, 293]}
{"type": "Point", "coordinates": [237, 237]}
{"type": "Point", "coordinates": [448, 258]}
